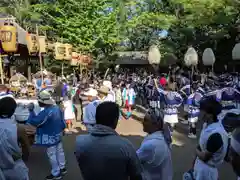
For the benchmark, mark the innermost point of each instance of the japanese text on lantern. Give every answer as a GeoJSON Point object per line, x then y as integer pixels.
{"type": "Point", "coordinates": [6, 36]}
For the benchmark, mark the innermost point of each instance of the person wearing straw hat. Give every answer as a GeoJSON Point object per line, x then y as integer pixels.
{"type": "Point", "coordinates": [49, 125]}
{"type": "Point", "coordinates": [12, 166]}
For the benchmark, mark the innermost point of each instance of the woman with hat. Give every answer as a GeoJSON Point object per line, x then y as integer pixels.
{"type": "Point", "coordinates": [50, 126]}
{"type": "Point", "coordinates": [12, 166]}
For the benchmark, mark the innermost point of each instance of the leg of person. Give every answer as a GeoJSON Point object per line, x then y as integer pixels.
{"type": "Point", "coordinates": [52, 156]}
{"type": "Point", "coordinates": [61, 158]}
{"type": "Point", "coordinates": [192, 130]}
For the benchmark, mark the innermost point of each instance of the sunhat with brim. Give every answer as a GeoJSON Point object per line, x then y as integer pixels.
{"type": "Point", "coordinates": [91, 92]}
{"type": "Point", "coordinates": [45, 98]}
{"type": "Point", "coordinates": [103, 90]}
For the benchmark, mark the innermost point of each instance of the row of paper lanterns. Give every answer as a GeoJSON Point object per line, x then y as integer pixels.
{"type": "Point", "coordinates": [191, 56]}
{"type": "Point", "coordinates": [38, 44]}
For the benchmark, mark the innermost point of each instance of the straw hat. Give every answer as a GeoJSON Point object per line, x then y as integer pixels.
{"type": "Point", "coordinates": [45, 98]}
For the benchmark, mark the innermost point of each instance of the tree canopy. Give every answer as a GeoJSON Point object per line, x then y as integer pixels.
{"type": "Point", "coordinates": [102, 27]}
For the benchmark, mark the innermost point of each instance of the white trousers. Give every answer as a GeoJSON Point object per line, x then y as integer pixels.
{"type": "Point", "coordinates": [18, 172]}
{"type": "Point", "coordinates": [57, 158]}
{"type": "Point", "coordinates": [203, 171]}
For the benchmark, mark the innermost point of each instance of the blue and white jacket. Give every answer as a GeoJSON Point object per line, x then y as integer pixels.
{"type": "Point", "coordinates": [194, 103]}
{"type": "Point", "coordinates": [227, 97]}
{"type": "Point", "coordinates": [50, 125]}
{"type": "Point", "coordinates": [172, 100]}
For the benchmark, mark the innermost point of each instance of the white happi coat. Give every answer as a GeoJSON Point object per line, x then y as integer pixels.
{"type": "Point", "coordinates": [208, 171]}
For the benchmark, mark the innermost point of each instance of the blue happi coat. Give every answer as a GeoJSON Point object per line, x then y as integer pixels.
{"type": "Point", "coordinates": [50, 125]}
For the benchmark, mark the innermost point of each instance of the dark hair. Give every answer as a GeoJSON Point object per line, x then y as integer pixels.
{"type": "Point", "coordinates": [107, 114]}
{"type": "Point", "coordinates": [7, 107]}
{"type": "Point", "coordinates": [211, 106]}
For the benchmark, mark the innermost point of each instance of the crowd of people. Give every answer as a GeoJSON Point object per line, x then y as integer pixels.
{"type": "Point", "coordinates": [99, 103]}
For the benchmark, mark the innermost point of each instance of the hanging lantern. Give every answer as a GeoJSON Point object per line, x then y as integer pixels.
{"type": "Point", "coordinates": [60, 51]}
{"type": "Point", "coordinates": [154, 56]}
{"type": "Point", "coordinates": [208, 57]}
{"type": "Point", "coordinates": [42, 44]}
{"type": "Point", "coordinates": [191, 57]}
{"type": "Point", "coordinates": [236, 52]}
{"type": "Point", "coordinates": [8, 37]}
{"type": "Point", "coordinates": [68, 53]}
{"type": "Point", "coordinates": [32, 43]}
{"type": "Point", "coordinates": [74, 60]}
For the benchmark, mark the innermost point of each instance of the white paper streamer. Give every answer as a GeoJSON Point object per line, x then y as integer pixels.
{"type": "Point", "coordinates": [236, 52]}
{"type": "Point", "coordinates": [208, 57]}
{"type": "Point", "coordinates": [191, 57]}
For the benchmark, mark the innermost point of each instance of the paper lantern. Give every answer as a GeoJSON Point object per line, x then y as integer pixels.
{"type": "Point", "coordinates": [236, 52]}
{"type": "Point", "coordinates": [154, 56]}
{"type": "Point", "coordinates": [191, 57]}
{"type": "Point", "coordinates": [9, 38]}
{"type": "Point", "coordinates": [208, 57]}
{"type": "Point", "coordinates": [74, 60]}
{"type": "Point", "coordinates": [59, 50]}
{"type": "Point", "coordinates": [32, 43]}
{"type": "Point", "coordinates": [68, 53]}
{"type": "Point", "coordinates": [42, 44]}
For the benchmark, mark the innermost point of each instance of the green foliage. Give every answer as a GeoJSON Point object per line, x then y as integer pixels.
{"type": "Point", "coordinates": [102, 27]}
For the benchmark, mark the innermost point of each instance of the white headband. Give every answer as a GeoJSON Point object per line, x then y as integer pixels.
{"type": "Point", "coordinates": [235, 145]}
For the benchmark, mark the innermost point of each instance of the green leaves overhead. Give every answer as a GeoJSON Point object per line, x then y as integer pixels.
{"type": "Point", "coordinates": [102, 27]}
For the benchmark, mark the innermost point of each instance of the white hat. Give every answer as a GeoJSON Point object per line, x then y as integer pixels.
{"type": "Point", "coordinates": [91, 92]}
{"type": "Point", "coordinates": [45, 98]}
{"type": "Point", "coordinates": [108, 84]}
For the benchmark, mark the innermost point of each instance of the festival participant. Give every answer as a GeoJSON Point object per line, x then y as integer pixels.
{"type": "Point", "coordinates": [69, 115]}
{"type": "Point", "coordinates": [213, 142]}
{"type": "Point", "coordinates": [12, 166]}
{"type": "Point", "coordinates": [103, 154]}
{"type": "Point", "coordinates": [50, 126]}
{"type": "Point", "coordinates": [193, 102]}
{"type": "Point", "coordinates": [154, 153]}
{"type": "Point", "coordinates": [118, 95]}
{"type": "Point", "coordinates": [172, 101]}
{"type": "Point", "coordinates": [185, 92]}
{"type": "Point", "coordinates": [131, 95]}
{"type": "Point", "coordinates": [111, 94]}
{"type": "Point", "coordinates": [90, 110]}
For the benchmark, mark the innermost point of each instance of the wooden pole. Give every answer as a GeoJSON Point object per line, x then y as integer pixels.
{"type": "Point", "coordinates": [1, 69]}
{"type": "Point", "coordinates": [40, 55]}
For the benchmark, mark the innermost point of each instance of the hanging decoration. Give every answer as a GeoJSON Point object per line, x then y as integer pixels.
{"type": "Point", "coordinates": [191, 57]}
{"type": "Point", "coordinates": [68, 52]}
{"type": "Point", "coordinates": [59, 50]}
{"type": "Point", "coordinates": [32, 43]}
{"type": "Point", "coordinates": [8, 37]}
{"type": "Point", "coordinates": [208, 57]}
{"type": "Point", "coordinates": [74, 60]}
{"type": "Point", "coordinates": [154, 56]}
{"type": "Point", "coordinates": [42, 44]}
{"type": "Point", "coordinates": [236, 52]}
